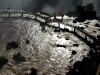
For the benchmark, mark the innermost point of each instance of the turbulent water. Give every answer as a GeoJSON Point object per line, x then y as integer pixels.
{"type": "Point", "coordinates": [41, 53]}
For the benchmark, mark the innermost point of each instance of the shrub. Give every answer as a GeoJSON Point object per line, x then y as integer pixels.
{"type": "Point", "coordinates": [86, 12]}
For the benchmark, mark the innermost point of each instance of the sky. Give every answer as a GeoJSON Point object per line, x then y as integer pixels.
{"type": "Point", "coordinates": [48, 6]}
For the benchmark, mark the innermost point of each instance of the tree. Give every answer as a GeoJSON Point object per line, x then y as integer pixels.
{"type": "Point", "coordinates": [86, 11]}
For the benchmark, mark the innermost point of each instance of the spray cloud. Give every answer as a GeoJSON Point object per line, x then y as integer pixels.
{"type": "Point", "coordinates": [48, 6]}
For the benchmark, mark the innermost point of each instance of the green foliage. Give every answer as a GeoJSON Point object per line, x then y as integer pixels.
{"type": "Point", "coordinates": [86, 12]}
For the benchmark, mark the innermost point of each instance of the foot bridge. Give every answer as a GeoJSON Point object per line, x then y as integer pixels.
{"type": "Point", "coordinates": [46, 19]}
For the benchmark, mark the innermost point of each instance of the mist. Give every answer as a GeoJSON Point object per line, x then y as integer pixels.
{"type": "Point", "coordinates": [48, 6]}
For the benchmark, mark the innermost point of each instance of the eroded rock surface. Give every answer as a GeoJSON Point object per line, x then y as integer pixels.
{"type": "Point", "coordinates": [49, 53]}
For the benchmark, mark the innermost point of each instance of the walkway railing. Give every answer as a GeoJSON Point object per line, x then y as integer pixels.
{"type": "Point", "coordinates": [48, 19]}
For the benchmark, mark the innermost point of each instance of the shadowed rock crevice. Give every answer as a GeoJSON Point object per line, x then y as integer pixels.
{"type": "Point", "coordinates": [11, 45]}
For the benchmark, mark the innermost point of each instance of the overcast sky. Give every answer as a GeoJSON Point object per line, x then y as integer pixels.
{"type": "Point", "coordinates": [49, 6]}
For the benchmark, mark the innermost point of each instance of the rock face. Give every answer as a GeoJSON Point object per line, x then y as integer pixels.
{"type": "Point", "coordinates": [30, 51]}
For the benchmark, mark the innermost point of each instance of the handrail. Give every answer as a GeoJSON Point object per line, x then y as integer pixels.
{"type": "Point", "coordinates": [47, 18]}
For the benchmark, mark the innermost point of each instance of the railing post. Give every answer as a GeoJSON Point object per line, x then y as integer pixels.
{"type": "Point", "coordinates": [54, 16]}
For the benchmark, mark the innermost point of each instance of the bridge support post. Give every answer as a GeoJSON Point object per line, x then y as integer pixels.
{"type": "Point", "coordinates": [50, 18]}
{"type": "Point", "coordinates": [59, 26]}
{"type": "Point", "coordinates": [35, 16]}
{"type": "Point", "coordinates": [22, 14]}
{"type": "Point", "coordinates": [62, 17]}
{"type": "Point", "coordinates": [54, 16]}
{"type": "Point", "coordinates": [9, 14]}
{"type": "Point", "coordinates": [74, 30]}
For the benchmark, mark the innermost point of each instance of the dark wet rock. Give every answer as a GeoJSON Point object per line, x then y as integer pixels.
{"type": "Point", "coordinates": [18, 58]}
{"type": "Point", "coordinates": [74, 52]}
{"type": "Point", "coordinates": [64, 30]}
{"type": "Point", "coordinates": [97, 25]}
{"type": "Point", "coordinates": [86, 26]}
{"type": "Point", "coordinates": [76, 45]}
{"type": "Point", "coordinates": [60, 46]}
{"type": "Point", "coordinates": [66, 38]}
{"type": "Point", "coordinates": [27, 42]}
{"type": "Point", "coordinates": [74, 21]}
{"type": "Point", "coordinates": [98, 36]}
{"type": "Point", "coordinates": [81, 28]}
{"type": "Point", "coordinates": [79, 20]}
{"type": "Point", "coordinates": [11, 45]}
{"type": "Point", "coordinates": [42, 23]}
{"type": "Point", "coordinates": [57, 30]}
{"type": "Point", "coordinates": [3, 61]}
{"type": "Point", "coordinates": [94, 31]}
{"type": "Point", "coordinates": [33, 71]}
